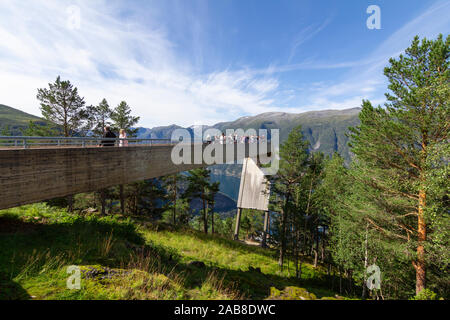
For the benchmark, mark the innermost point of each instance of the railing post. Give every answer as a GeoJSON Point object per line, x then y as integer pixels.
{"type": "Point", "coordinates": [25, 146]}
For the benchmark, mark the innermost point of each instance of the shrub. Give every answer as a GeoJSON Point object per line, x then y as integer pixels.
{"type": "Point", "coordinates": [426, 294]}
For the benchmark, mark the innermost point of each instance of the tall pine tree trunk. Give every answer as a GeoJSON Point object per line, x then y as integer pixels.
{"type": "Point", "coordinates": [174, 213]}
{"type": "Point", "coordinates": [205, 219]}
{"type": "Point", "coordinates": [283, 239]}
{"type": "Point", "coordinates": [316, 250]}
{"type": "Point", "coordinates": [420, 264]}
{"type": "Point", "coordinates": [66, 134]}
{"type": "Point", "coordinates": [283, 233]}
{"type": "Point", "coordinates": [322, 246]}
{"type": "Point", "coordinates": [366, 262]}
{"type": "Point", "coordinates": [295, 249]}
{"type": "Point", "coordinates": [175, 201]}
{"type": "Point", "coordinates": [298, 262]}
{"type": "Point", "coordinates": [212, 219]}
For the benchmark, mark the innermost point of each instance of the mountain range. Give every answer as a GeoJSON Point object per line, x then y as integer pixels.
{"type": "Point", "coordinates": [325, 130]}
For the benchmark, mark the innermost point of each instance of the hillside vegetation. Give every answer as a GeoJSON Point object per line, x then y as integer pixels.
{"type": "Point", "coordinates": [128, 259]}
{"type": "Point", "coordinates": [16, 121]}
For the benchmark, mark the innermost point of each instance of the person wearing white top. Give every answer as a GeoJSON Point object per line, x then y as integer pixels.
{"type": "Point", "coordinates": [123, 135]}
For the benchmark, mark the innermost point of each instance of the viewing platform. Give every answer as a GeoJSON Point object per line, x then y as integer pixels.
{"type": "Point", "coordinates": [34, 169]}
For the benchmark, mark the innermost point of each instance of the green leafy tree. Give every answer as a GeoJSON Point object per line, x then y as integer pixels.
{"type": "Point", "coordinates": [393, 147]}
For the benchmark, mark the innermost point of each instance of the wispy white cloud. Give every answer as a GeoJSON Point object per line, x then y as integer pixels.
{"type": "Point", "coordinates": [364, 79]}
{"type": "Point", "coordinates": [305, 35]}
{"type": "Point", "coordinates": [126, 59]}
{"type": "Point", "coordinates": [110, 58]}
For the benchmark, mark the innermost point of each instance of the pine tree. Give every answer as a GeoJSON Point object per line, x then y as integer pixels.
{"type": "Point", "coordinates": [172, 187]}
{"type": "Point", "coordinates": [213, 189]}
{"type": "Point", "coordinates": [199, 187]}
{"type": "Point", "coordinates": [393, 146]}
{"type": "Point", "coordinates": [293, 164]}
{"type": "Point", "coordinates": [62, 105]}
{"type": "Point", "coordinates": [144, 198]}
{"type": "Point", "coordinates": [99, 116]}
{"type": "Point", "coordinates": [122, 119]}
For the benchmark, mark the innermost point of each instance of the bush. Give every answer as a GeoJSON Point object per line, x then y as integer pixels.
{"type": "Point", "coordinates": [426, 294]}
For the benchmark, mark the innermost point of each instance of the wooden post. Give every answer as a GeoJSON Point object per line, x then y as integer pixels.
{"type": "Point", "coordinates": [266, 229]}
{"type": "Point", "coordinates": [238, 222]}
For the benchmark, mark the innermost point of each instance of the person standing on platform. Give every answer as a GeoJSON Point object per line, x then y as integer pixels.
{"type": "Point", "coordinates": [123, 135]}
{"type": "Point", "coordinates": [108, 134]}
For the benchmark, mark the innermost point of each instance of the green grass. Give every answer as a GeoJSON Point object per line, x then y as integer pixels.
{"type": "Point", "coordinates": [144, 260]}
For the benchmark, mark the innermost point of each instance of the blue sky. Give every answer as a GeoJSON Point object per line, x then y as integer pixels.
{"type": "Point", "coordinates": [201, 62]}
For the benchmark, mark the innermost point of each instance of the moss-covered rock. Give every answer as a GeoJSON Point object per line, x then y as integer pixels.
{"type": "Point", "coordinates": [100, 272]}
{"type": "Point", "coordinates": [291, 293]}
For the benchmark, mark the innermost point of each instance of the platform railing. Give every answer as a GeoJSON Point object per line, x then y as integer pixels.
{"type": "Point", "coordinates": [30, 142]}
